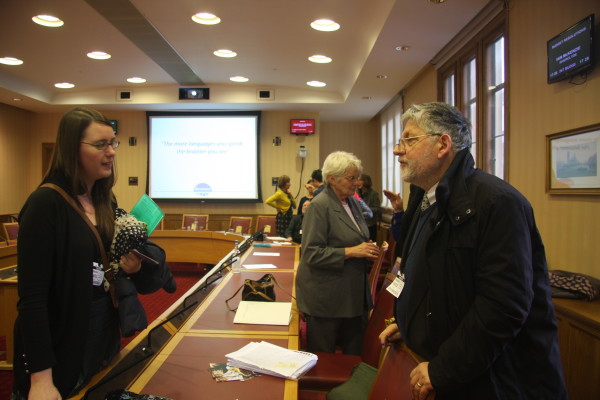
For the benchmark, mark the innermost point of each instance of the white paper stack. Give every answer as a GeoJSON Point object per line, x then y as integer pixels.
{"type": "Point", "coordinates": [267, 358]}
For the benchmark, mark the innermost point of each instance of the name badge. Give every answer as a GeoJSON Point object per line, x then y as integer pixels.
{"type": "Point", "coordinates": [396, 286]}
{"type": "Point", "coordinates": [97, 274]}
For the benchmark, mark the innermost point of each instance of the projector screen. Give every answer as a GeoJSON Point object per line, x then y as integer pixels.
{"type": "Point", "coordinates": [206, 156]}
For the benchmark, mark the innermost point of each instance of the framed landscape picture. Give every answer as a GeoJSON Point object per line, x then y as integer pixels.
{"type": "Point", "coordinates": [572, 161]}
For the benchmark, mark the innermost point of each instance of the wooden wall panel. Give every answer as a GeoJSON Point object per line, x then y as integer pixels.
{"type": "Point", "coordinates": [570, 225]}
{"type": "Point", "coordinates": [15, 142]}
{"type": "Point", "coordinates": [361, 138]}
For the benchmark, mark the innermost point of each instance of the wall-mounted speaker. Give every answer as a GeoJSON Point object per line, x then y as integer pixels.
{"type": "Point", "coordinates": [265, 94]}
{"type": "Point", "coordinates": [124, 95]}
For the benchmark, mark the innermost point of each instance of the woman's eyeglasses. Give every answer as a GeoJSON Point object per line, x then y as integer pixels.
{"type": "Point", "coordinates": [103, 145]}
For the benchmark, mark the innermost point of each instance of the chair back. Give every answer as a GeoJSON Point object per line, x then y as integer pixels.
{"type": "Point", "coordinates": [371, 347]}
{"type": "Point", "coordinates": [374, 274]}
{"type": "Point", "coordinates": [188, 220]}
{"type": "Point", "coordinates": [240, 224]}
{"type": "Point", "coordinates": [393, 378]}
{"type": "Point", "coordinates": [266, 224]}
{"type": "Point", "coordinates": [11, 230]}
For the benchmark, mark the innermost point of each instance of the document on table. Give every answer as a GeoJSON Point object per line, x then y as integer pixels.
{"type": "Point", "coordinates": [263, 313]}
{"type": "Point", "coordinates": [267, 358]}
{"type": "Point", "coordinates": [259, 266]}
{"type": "Point", "coordinates": [265, 254]}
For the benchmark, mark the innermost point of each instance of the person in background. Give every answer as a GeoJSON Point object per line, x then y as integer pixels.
{"type": "Point", "coordinates": [294, 229]}
{"type": "Point", "coordinates": [373, 201]}
{"type": "Point", "coordinates": [317, 181]}
{"type": "Point", "coordinates": [311, 190]}
{"type": "Point", "coordinates": [476, 302]}
{"type": "Point", "coordinates": [332, 288]}
{"type": "Point", "coordinates": [284, 203]}
{"type": "Point", "coordinates": [67, 328]}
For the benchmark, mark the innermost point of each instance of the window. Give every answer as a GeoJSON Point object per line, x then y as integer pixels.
{"type": "Point", "coordinates": [391, 130]}
{"type": "Point", "coordinates": [474, 80]}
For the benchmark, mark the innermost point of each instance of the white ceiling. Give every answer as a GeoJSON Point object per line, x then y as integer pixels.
{"type": "Point", "coordinates": [157, 40]}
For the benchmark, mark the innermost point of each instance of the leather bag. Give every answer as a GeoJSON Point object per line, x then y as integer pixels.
{"type": "Point", "coordinates": [260, 290]}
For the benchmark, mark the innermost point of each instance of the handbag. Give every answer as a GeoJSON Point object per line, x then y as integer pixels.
{"type": "Point", "coordinates": [260, 290]}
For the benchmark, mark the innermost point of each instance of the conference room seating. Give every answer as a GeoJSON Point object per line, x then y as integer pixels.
{"type": "Point", "coordinates": [333, 369]}
{"type": "Point", "coordinates": [11, 231]}
{"type": "Point", "coordinates": [392, 381]}
{"type": "Point", "coordinates": [187, 221]}
{"type": "Point", "coordinates": [266, 224]}
{"type": "Point", "coordinates": [393, 378]}
{"type": "Point", "coordinates": [376, 268]}
{"type": "Point", "coordinates": [240, 225]}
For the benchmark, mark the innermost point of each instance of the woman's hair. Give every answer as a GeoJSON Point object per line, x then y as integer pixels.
{"type": "Point", "coordinates": [283, 179]}
{"type": "Point", "coordinates": [441, 118]}
{"type": "Point", "coordinates": [337, 163]}
{"type": "Point", "coordinates": [367, 182]}
{"type": "Point", "coordinates": [65, 161]}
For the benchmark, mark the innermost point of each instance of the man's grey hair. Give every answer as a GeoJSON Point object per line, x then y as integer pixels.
{"type": "Point", "coordinates": [441, 118]}
{"type": "Point", "coordinates": [337, 163]}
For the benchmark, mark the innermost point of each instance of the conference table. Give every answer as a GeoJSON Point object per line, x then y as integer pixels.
{"type": "Point", "coordinates": [206, 333]}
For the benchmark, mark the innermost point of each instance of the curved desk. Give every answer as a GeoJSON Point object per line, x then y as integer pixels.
{"type": "Point", "coordinates": [184, 342]}
{"type": "Point", "coordinates": [204, 247]}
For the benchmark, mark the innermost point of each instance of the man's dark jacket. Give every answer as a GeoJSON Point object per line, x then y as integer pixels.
{"type": "Point", "coordinates": [480, 309]}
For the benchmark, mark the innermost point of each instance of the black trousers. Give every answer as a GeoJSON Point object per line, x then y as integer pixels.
{"type": "Point", "coordinates": [324, 334]}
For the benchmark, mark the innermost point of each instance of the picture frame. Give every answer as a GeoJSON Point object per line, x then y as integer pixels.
{"type": "Point", "coordinates": [572, 161]}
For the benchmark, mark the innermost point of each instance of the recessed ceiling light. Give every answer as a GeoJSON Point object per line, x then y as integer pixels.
{"type": "Point", "coordinates": [98, 55]}
{"type": "Point", "coordinates": [238, 79]}
{"type": "Point", "coordinates": [403, 48]}
{"type": "Point", "coordinates": [316, 83]}
{"type": "Point", "coordinates": [325, 25]}
{"type": "Point", "coordinates": [320, 59]}
{"type": "Point", "coordinates": [436, 1]}
{"type": "Point", "coordinates": [206, 18]}
{"type": "Point", "coordinates": [367, 98]}
{"type": "Point", "coordinates": [17, 99]}
{"type": "Point", "coordinates": [225, 53]}
{"type": "Point", "coordinates": [64, 85]}
{"type": "Point", "coordinates": [10, 61]}
{"type": "Point", "coordinates": [381, 76]}
{"type": "Point", "coordinates": [48, 20]}
{"type": "Point", "coordinates": [136, 79]}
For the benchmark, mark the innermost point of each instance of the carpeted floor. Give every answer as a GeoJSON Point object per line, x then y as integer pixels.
{"type": "Point", "coordinates": [154, 304]}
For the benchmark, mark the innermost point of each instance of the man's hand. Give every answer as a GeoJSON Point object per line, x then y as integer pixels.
{"type": "Point", "coordinates": [395, 199]}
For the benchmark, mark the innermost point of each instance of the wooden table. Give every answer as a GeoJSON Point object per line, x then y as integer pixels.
{"type": "Point", "coordinates": [178, 368]}
{"type": "Point", "coordinates": [8, 311]}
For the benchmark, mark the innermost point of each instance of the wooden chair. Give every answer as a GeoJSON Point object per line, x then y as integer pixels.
{"type": "Point", "coordinates": [266, 224]}
{"type": "Point", "coordinates": [333, 369]}
{"type": "Point", "coordinates": [11, 231]}
{"type": "Point", "coordinates": [376, 268]}
{"type": "Point", "coordinates": [240, 225]}
{"type": "Point", "coordinates": [392, 381]}
{"type": "Point", "coordinates": [188, 219]}
{"type": "Point", "coordinates": [393, 378]}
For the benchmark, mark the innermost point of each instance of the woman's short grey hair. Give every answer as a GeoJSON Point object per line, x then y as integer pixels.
{"type": "Point", "coordinates": [337, 163]}
{"type": "Point", "coordinates": [441, 118]}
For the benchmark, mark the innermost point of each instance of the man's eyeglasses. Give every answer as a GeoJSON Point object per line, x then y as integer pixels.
{"type": "Point", "coordinates": [351, 178]}
{"type": "Point", "coordinates": [103, 145]}
{"type": "Point", "coordinates": [406, 143]}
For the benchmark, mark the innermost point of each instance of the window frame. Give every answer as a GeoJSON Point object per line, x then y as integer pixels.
{"type": "Point", "coordinates": [478, 47]}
